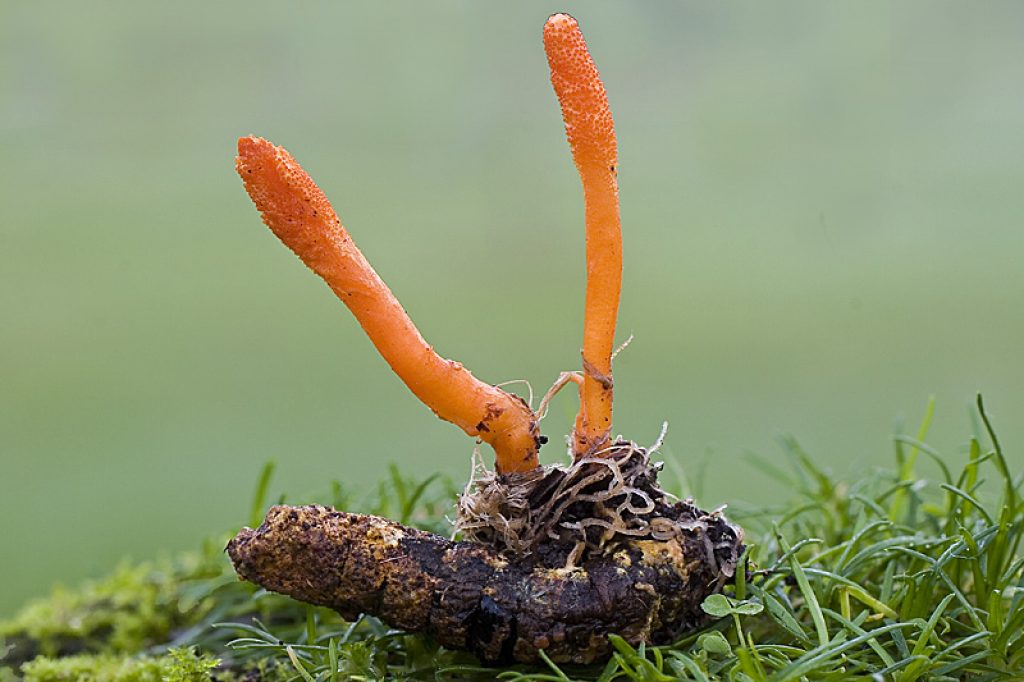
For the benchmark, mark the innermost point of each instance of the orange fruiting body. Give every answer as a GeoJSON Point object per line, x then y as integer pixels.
{"type": "Point", "coordinates": [295, 209]}
{"type": "Point", "coordinates": [591, 133]}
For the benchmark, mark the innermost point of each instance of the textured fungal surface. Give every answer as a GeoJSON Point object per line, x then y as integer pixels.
{"type": "Point", "coordinates": [469, 596]}
{"type": "Point", "coordinates": [591, 134]}
{"type": "Point", "coordinates": [591, 505]}
{"type": "Point", "coordinates": [299, 214]}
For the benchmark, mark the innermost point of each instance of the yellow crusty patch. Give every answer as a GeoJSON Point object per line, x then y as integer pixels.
{"type": "Point", "coordinates": [658, 553]}
{"type": "Point", "coordinates": [385, 534]}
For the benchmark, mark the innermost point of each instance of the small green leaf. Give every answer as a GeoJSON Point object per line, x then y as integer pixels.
{"type": "Point", "coordinates": [715, 643]}
{"type": "Point", "coordinates": [717, 606]}
{"type": "Point", "coordinates": [747, 608]}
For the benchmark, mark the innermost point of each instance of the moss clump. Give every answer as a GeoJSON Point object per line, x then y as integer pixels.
{"type": "Point", "coordinates": [130, 609]}
{"type": "Point", "coordinates": [177, 665]}
{"type": "Point", "coordinates": [136, 607]}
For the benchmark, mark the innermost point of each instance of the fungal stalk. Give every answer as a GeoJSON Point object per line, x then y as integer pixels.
{"type": "Point", "coordinates": [295, 209]}
{"type": "Point", "coordinates": [591, 133]}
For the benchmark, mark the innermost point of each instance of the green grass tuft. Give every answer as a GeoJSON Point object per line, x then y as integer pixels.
{"type": "Point", "coordinates": [898, 575]}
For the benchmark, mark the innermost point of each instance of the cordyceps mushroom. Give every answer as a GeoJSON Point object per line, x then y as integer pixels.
{"type": "Point", "coordinates": [295, 209]}
{"type": "Point", "coordinates": [591, 135]}
{"type": "Point", "coordinates": [551, 559]}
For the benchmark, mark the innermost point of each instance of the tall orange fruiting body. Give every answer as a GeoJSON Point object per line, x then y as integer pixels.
{"type": "Point", "coordinates": [295, 209]}
{"type": "Point", "coordinates": [591, 133]}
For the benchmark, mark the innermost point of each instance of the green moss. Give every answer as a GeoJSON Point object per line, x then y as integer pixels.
{"type": "Point", "coordinates": [130, 609]}
{"type": "Point", "coordinates": [134, 608]}
{"type": "Point", "coordinates": [178, 665]}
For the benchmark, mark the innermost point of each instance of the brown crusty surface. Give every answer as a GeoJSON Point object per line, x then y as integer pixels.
{"type": "Point", "coordinates": [468, 596]}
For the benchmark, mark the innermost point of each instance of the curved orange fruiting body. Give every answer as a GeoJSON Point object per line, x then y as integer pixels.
{"type": "Point", "coordinates": [295, 209]}
{"type": "Point", "coordinates": [591, 133]}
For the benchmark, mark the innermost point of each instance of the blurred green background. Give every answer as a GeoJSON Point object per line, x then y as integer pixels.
{"type": "Point", "coordinates": [821, 203]}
